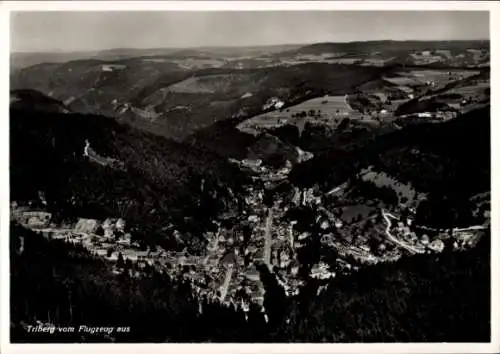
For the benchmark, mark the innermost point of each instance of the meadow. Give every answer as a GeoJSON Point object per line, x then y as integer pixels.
{"type": "Point", "coordinates": [382, 179]}
{"type": "Point", "coordinates": [351, 212]}
{"type": "Point", "coordinates": [328, 109]}
{"type": "Point", "coordinates": [441, 77]}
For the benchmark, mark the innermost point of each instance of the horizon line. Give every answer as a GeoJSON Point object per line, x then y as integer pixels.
{"type": "Point", "coordinates": [246, 46]}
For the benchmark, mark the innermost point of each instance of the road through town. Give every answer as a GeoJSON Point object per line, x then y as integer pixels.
{"type": "Point", "coordinates": [227, 281]}
{"type": "Point", "coordinates": [394, 239]}
{"type": "Point", "coordinates": [268, 238]}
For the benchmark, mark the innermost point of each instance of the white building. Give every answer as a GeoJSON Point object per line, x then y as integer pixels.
{"type": "Point", "coordinates": [87, 226]}
{"type": "Point", "coordinates": [365, 247]}
{"type": "Point", "coordinates": [251, 163]}
{"type": "Point", "coordinates": [304, 235]}
{"type": "Point", "coordinates": [424, 115]}
{"type": "Point", "coordinates": [120, 225]}
{"type": "Point", "coordinates": [253, 218]}
{"type": "Point", "coordinates": [279, 104]}
{"type": "Point", "coordinates": [321, 271]}
{"type": "Point", "coordinates": [437, 246]}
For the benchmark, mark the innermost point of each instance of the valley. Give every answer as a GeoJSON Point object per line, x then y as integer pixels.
{"type": "Point", "coordinates": [259, 181]}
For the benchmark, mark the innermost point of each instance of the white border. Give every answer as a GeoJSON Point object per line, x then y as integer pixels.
{"type": "Point", "coordinates": [7, 7]}
{"type": "Point", "coordinates": [245, 5]}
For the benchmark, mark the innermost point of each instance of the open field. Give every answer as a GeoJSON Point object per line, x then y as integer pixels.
{"type": "Point", "coordinates": [351, 212]}
{"type": "Point", "coordinates": [329, 109]}
{"type": "Point", "coordinates": [403, 80]}
{"type": "Point", "coordinates": [205, 84]}
{"type": "Point", "coordinates": [155, 60]}
{"type": "Point", "coordinates": [471, 90]}
{"type": "Point", "coordinates": [328, 105]}
{"type": "Point", "coordinates": [385, 90]}
{"type": "Point", "coordinates": [382, 179]}
{"type": "Point", "coordinates": [319, 59]}
{"type": "Point", "coordinates": [325, 58]}
{"type": "Point", "coordinates": [420, 77]}
{"type": "Point", "coordinates": [395, 104]}
{"type": "Point", "coordinates": [198, 63]}
{"type": "Point", "coordinates": [377, 61]}
{"type": "Point", "coordinates": [382, 95]}
{"type": "Point", "coordinates": [441, 77]}
{"type": "Point", "coordinates": [406, 89]}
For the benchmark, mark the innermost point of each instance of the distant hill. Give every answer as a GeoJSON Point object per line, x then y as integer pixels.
{"type": "Point", "coordinates": [387, 46]}
{"type": "Point", "coordinates": [21, 60]}
{"type": "Point", "coordinates": [162, 98]}
{"type": "Point", "coordinates": [254, 51]}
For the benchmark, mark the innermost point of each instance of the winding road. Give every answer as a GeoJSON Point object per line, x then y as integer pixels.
{"type": "Point", "coordinates": [394, 239]}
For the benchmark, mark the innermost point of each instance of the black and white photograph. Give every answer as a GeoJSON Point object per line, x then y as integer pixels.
{"type": "Point", "coordinates": [249, 176]}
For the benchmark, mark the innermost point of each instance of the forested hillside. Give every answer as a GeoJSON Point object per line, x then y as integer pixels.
{"type": "Point", "coordinates": [440, 298]}
{"type": "Point", "coordinates": [449, 160]}
{"type": "Point", "coordinates": [153, 182]}
{"type": "Point", "coordinates": [166, 100]}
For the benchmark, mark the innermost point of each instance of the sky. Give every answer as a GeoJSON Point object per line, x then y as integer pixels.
{"type": "Point", "coordinates": [89, 31]}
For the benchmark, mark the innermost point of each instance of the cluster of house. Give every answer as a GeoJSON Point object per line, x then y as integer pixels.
{"type": "Point", "coordinates": [265, 173]}
{"type": "Point", "coordinates": [30, 218]}
{"type": "Point", "coordinates": [438, 115]}
{"type": "Point", "coordinates": [467, 237]}
{"type": "Point", "coordinates": [462, 238]}
{"type": "Point", "coordinates": [426, 57]}
{"type": "Point", "coordinates": [479, 55]}
{"type": "Point", "coordinates": [322, 271]}
{"type": "Point", "coordinates": [283, 252]}
{"type": "Point", "coordinates": [91, 232]}
{"type": "Point", "coordinates": [279, 250]}
{"type": "Point", "coordinates": [230, 263]}
{"type": "Point", "coordinates": [273, 103]}
{"type": "Point", "coordinates": [403, 231]}
{"type": "Point", "coordinates": [112, 67]}
{"type": "Point", "coordinates": [108, 239]}
{"type": "Point", "coordinates": [253, 164]}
